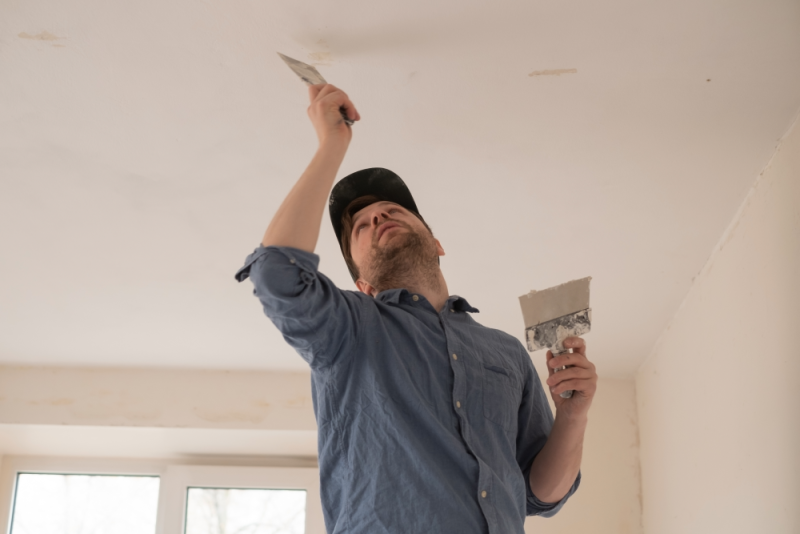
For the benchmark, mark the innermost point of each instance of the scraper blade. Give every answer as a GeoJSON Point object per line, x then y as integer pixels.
{"type": "Point", "coordinates": [554, 314]}
{"type": "Point", "coordinates": [310, 76]}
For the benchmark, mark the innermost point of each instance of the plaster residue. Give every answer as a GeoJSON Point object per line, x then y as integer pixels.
{"type": "Point", "coordinates": [553, 72]}
{"type": "Point", "coordinates": [43, 36]}
{"type": "Point", "coordinates": [320, 58]}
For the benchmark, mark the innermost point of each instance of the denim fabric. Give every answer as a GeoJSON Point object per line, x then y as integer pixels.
{"type": "Point", "coordinates": [428, 422]}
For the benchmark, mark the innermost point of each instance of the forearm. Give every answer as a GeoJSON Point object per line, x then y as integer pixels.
{"type": "Point", "coordinates": [556, 466]}
{"type": "Point", "coordinates": [297, 221]}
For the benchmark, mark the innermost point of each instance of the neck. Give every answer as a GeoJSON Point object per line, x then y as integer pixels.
{"type": "Point", "coordinates": [427, 281]}
{"type": "Point", "coordinates": [412, 264]}
{"type": "Point", "coordinates": [432, 288]}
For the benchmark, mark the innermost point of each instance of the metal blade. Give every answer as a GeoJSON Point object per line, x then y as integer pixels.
{"type": "Point", "coordinates": [542, 306]}
{"type": "Point", "coordinates": [306, 72]}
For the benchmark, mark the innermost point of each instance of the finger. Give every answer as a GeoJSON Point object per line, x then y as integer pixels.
{"type": "Point", "coordinates": [325, 91]}
{"type": "Point", "coordinates": [337, 99]}
{"type": "Point", "coordinates": [587, 387]}
{"type": "Point", "coordinates": [314, 90]}
{"type": "Point", "coordinates": [570, 358]}
{"type": "Point", "coordinates": [577, 344]}
{"type": "Point", "coordinates": [549, 357]}
{"type": "Point", "coordinates": [350, 109]}
{"type": "Point", "coordinates": [569, 374]}
{"type": "Point", "coordinates": [330, 89]}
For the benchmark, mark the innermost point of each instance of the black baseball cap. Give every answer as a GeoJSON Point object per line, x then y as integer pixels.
{"type": "Point", "coordinates": [381, 183]}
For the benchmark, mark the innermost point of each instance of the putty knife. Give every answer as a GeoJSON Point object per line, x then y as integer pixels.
{"type": "Point", "coordinates": [552, 315]}
{"type": "Point", "coordinates": [311, 76]}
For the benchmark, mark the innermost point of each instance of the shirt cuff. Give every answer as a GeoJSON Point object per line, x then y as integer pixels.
{"type": "Point", "coordinates": [307, 261]}
{"type": "Point", "coordinates": [546, 509]}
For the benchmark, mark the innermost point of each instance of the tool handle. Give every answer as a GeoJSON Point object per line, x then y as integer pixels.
{"type": "Point", "coordinates": [347, 121]}
{"type": "Point", "coordinates": [557, 350]}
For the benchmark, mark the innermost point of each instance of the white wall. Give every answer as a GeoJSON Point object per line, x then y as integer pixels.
{"type": "Point", "coordinates": [719, 398]}
{"type": "Point", "coordinates": [261, 418]}
{"type": "Point", "coordinates": [182, 398]}
{"type": "Point", "coordinates": [608, 501]}
{"type": "Point", "coordinates": [141, 413]}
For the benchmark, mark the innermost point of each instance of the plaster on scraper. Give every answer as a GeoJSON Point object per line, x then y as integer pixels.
{"type": "Point", "coordinates": [311, 76]}
{"type": "Point", "coordinates": [552, 315]}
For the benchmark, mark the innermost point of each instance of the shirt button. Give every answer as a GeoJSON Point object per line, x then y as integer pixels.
{"type": "Point", "coordinates": [454, 356]}
{"type": "Point", "coordinates": [291, 260]}
{"type": "Point", "coordinates": [458, 404]}
{"type": "Point", "coordinates": [415, 298]}
{"type": "Point", "coordinates": [483, 494]}
{"type": "Point", "coordinates": [451, 310]}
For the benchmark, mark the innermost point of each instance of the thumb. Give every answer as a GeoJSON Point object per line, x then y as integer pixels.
{"type": "Point", "coordinates": [313, 91]}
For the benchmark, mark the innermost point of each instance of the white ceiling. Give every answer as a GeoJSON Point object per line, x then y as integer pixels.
{"type": "Point", "coordinates": [145, 146]}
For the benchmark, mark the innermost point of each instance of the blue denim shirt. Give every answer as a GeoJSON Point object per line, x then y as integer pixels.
{"type": "Point", "coordinates": [428, 422]}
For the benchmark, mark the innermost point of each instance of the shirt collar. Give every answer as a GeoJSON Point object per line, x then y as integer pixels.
{"type": "Point", "coordinates": [391, 296]}
{"type": "Point", "coordinates": [394, 296]}
{"type": "Point", "coordinates": [460, 304]}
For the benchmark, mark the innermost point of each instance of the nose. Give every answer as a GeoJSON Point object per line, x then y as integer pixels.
{"type": "Point", "coordinates": [378, 216]}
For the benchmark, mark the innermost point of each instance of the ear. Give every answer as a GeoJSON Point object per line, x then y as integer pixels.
{"type": "Point", "coordinates": [366, 288]}
{"type": "Point", "coordinates": [439, 249]}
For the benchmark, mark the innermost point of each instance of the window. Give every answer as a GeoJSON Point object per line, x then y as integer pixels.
{"type": "Point", "coordinates": [280, 500]}
{"type": "Point", "coordinates": [84, 504]}
{"type": "Point", "coordinates": [250, 511]}
{"type": "Point", "coordinates": [45, 495]}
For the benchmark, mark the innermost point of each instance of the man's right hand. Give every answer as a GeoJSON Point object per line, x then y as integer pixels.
{"type": "Point", "coordinates": [326, 101]}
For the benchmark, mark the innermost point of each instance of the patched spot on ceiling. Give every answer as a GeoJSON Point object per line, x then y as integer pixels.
{"type": "Point", "coordinates": [553, 72]}
{"type": "Point", "coordinates": [320, 58]}
{"type": "Point", "coordinates": [43, 36]}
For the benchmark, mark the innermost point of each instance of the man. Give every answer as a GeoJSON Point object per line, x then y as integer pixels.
{"type": "Point", "coordinates": [428, 422]}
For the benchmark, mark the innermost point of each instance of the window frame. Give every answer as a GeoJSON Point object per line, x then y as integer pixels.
{"type": "Point", "coordinates": [175, 478]}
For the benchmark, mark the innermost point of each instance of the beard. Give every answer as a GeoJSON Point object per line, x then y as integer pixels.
{"type": "Point", "coordinates": [409, 259]}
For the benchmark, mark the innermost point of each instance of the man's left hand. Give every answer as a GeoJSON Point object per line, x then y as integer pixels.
{"type": "Point", "coordinates": [580, 377]}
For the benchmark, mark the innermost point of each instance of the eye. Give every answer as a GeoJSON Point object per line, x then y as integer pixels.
{"type": "Point", "coordinates": [360, 227]}
{"type": "Point", "coordinates": [393, 210]}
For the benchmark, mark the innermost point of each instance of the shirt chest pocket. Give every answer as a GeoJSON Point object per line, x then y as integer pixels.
{"type": "Point", "coordinates": [500, 396]}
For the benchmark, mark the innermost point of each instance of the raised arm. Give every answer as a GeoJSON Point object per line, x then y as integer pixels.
{"type": "Point", "coordinates": [297, 221]}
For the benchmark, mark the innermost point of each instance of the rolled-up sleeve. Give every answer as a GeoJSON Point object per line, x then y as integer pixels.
{"type": "Point", "coordinates": [535, 423]}
{"type": "Point", "coordinates": [315, 317]}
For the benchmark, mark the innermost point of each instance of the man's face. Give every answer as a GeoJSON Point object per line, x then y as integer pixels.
{"type": "Point", "coordinates": [385, 237]}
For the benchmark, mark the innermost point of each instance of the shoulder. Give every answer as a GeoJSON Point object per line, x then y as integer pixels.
{"type": "Point", "coordinates": [365, 305]}
{"type": "Point", "coordinates": [497, 336]}
{"type": "Point", "coordinates": [501, 342]}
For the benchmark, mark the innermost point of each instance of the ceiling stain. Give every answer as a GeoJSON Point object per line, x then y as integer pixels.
{"type": "Point", "coordinates": [44, 36]}
{"type": "Point", "coordinates": [553, 72]}
{"type": "Point", "coordinates": [320, 58]}
{"type": "Point", "coordinates": [323, 59]}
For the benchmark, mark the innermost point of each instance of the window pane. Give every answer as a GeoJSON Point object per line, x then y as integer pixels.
{"type": "Point", "coordinates": [84, 504]}
{"type": "Point", "coordinates": [246, 511]}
